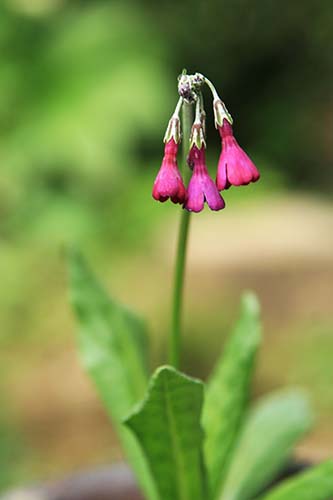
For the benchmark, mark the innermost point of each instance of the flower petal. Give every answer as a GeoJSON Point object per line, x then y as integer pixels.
{"type": "Point", "coordinates": [195, 196]}
{"type": "Point", "coordinates": [212, 196]}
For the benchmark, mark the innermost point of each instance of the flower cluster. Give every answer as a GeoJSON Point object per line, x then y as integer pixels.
{"type": "Point", "coordinates": [234, 168]}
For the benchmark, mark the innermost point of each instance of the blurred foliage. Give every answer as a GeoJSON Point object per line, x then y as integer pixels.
{"type": "Point", "coordinates": [79, 88]}
{"type": "Point", "coordinates": [11, 455]}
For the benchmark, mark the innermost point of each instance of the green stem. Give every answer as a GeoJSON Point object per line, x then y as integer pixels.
{"type": "Point", "coordinates": [177, 300]}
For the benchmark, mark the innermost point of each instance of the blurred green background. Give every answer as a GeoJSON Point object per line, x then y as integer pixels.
{"type": "Point", "coordinates": [86, 90]}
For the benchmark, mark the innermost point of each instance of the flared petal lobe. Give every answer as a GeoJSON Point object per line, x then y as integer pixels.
{"type": "Point", "coordinates": [235, 168]}
{"type": "Point", "coordinates": [201, 187]}
{"type": "Point", "coordinates": [169, 182]}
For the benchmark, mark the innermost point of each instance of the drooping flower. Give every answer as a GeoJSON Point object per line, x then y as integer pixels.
{"type": "Point", "coordinates": [234, 168]}
{"type": "Point", "coordinates": [201, 187]}
{"type": "Point", "coordinates": [169, 182]}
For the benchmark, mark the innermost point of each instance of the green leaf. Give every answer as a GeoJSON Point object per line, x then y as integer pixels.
{"type": "Point", "coordinates": [167, 424]}
{"type": "Point", "coordinates": [273, 427]}
{"type": "Point", "coordinates": [112, 347]}
{"type": "Point", "coordinates": [314, 484]}
{"type": "Point", "coordinates": [227, 393]}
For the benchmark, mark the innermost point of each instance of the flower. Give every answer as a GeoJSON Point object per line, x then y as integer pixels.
{"type": "Point", "coordinates": [201, 187]}
{"type": "Point", "coordinates": [234, 167]}
{"type": "Point", "coordinates": [169, 182]}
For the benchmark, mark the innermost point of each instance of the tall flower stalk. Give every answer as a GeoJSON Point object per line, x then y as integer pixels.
{"type": "Point", "coordinates": [234, 168]}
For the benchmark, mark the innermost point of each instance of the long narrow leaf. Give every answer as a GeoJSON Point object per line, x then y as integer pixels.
{"type": "Point", "coordinates": [167, 425]}
{"type": "Point", "coordinates": [315, 484]}
{"type": "Point", "coordinates": [112, 349]}
{"type": "Point", "coordinates": [228, 391]}
{"type": "Point", "coordinates": [272, 429]}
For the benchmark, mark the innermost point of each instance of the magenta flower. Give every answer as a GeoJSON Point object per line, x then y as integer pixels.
{"type": "Point", "coordinates": [235, 168]}
{"type": "Point", "coordinates": [201, 187]}
{"type": "Point", "coordinates": [169, 182]}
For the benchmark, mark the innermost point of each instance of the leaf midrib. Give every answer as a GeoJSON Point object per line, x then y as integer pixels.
{"type": "Point", "coordinates": [176, 448]}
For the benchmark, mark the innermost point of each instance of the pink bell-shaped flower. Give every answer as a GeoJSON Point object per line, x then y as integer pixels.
{"type": "Point", "coordinates": [234, 168]}
{"type": "Point", "coordinates": [201, 187]}
{"type": "Point", "coordinates": [169, 182]}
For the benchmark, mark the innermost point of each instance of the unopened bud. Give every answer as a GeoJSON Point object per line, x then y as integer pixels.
{"type": "Point", "coordinates": [186, 89]}
{"type": "Point", "coordinates": [198, 80]}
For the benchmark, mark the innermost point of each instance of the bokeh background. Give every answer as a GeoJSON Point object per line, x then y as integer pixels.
{"type": "Point", "coordinates": [86, 90]}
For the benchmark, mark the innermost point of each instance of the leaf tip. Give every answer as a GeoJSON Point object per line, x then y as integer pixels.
{"type": "Point", "coordinates": [250, 303]}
